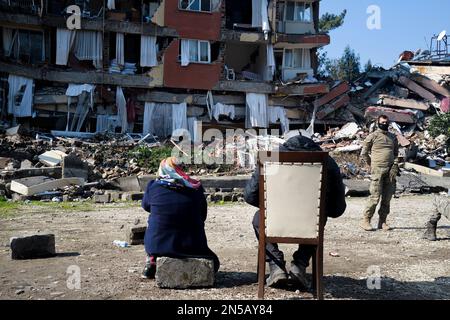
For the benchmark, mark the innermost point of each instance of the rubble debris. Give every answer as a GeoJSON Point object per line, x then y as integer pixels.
{"type": "Point", "coordinates": [402, 116]}
{"type": "Point", "coordinates": [74, 167]}
{"type": "Point", "coordinates": [426, 170]}
{"type": "Point", "coordinates": [13, 131]}
{"type": "Point", "coordinates": [32, 247]}
{"type": "Point", "coordinates": [184, 273]}
{"type": "Point", "coordinates": [387, 100]}
{"type": "Point", "coordinates": [135, 235]}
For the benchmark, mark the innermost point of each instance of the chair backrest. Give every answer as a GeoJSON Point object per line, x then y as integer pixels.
{"type": "Point", "coordinates": [292, 194]}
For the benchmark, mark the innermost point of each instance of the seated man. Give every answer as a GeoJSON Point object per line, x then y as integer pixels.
{"type": "Point", "coordinates": [335, 207]}
{"type": "Point", "coordinates": [441, 207]}
{"type": "Point", "coordinates": [176, 225]}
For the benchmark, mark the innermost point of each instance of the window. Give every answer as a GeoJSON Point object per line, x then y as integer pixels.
{"type": "Point", "coordinates": [196, 50]}
{"type": "Point", "coordinates": [27, 46]}
{"type": "Point", "coordinates": [298, 11]}
{"type": "Point", "coordinates": [297, 58]}
{"type": "Point", "coordinates": [195, 5]}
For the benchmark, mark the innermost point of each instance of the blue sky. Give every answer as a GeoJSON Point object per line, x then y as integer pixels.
{"type": "Point", "coordinates": [404, 26]}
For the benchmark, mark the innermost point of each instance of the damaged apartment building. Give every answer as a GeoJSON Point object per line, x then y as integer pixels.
{"type": "Point", "coordinates": [153, 66]}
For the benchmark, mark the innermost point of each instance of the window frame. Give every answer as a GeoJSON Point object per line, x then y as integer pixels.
{"type": "Point", "coordinates": [301, 58]}
{"type": "Point", "coordinates": [200, 7]}
{"type": "Point", "coordinates": [296, 6]}
{"type": "Point", "coordinates": [198, 51]}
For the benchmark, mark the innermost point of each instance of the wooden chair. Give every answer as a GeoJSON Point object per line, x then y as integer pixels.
{"type": "Point", "coordinates": [292, 202]}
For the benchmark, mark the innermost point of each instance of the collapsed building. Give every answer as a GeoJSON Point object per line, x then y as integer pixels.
{"type": "Point", "coordinates": [153, 66]}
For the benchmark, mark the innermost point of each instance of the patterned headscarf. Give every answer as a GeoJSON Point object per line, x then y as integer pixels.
{"type": "Point", "coordinates": [171, 174]}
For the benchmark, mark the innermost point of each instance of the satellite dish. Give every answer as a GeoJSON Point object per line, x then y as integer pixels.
{"type": "Point", "coordinates": [442, 35]}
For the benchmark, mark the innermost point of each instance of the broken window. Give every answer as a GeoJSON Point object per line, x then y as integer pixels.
{"type": "Point", "coordinates": [297, 58]}
{"type": "Point", "coordinates": [298, 11]}
{"type": "Point", "coordinates": [195, 5]}
{"type": "Point", "coordinates": [238, 13]}
{"type": "Point", "coordinates": [25, 45]}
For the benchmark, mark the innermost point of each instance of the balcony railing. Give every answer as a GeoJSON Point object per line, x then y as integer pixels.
{"type": "Point", "coordinates": [25, 6]}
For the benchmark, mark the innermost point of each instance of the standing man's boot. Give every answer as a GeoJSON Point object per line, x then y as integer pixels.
{"type": "Point", "coordinates": [430, 233]}
{"type": "Point", "coordinates": [382, 225]}
{"type": "Point", "coordinates": [365, 224]}
{"type": "Point", "coordinates": [278, 277]}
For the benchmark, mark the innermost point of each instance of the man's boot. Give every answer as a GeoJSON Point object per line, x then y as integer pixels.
{"type": "Point", "coordinates": [297, 273]}
{"type": "Point", "coordinates": [382, 225]}
{"type": "Point", "coordinates": [430, 233]}
{"type": "Point", "coordinates": [278, 277]}
{"type": "Point", "coordinates": [365, 224]}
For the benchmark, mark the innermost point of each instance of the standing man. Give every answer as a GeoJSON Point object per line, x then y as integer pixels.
{"type": "Point", "coordinates": [381, 153]}
{"type": "Point", "coordinates": [441, 207]}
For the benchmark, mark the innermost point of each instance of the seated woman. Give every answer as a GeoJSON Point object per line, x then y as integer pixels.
{"type": "Point", "coordinates": [176, 224]}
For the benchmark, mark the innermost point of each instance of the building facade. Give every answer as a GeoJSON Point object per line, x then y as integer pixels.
{"type": "Point", "coordinates": [153, 66]}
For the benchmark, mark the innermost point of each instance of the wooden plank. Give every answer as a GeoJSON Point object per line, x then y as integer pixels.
{"type": "Point", "coordinates": [403, 103]}
{"type": "Point", "coordinates": [411, 85]}
{"type": "Point", "coordinates": [333, 94]}
{"type": "Point", "coordinates": [33, 185]}
{"type": "Point", "coordinates": [332, 107]}
{"type": "Point", "coordinates": [426, 171]}
{"type": "Point", "coordinates": [430, 84]}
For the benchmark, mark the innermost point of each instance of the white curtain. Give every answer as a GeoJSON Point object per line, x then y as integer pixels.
{"type": "Point", "coordinates": [260, 18]}
{"type": "Point", "coordinates": [89, 46]}
{"type": "Point", "coordinates": [64, 43]}
{"type": "Point", "coordinates": [223, 109]}
{"type": "Point", "coordinates": [121, 104]}
{"type": "Point", "coordinates": [179, 116]}
{"type": "Point", "coordinates": [279, 113]}
{"type": "Point", "coordinates": [24, 108]}
{"type": "Point", "coordinates": [111, 4]}
{"type": "Point", "coordinates": [270, 62]}
{"type": "Point", "coordinates": [256, 110]}
{"type": "Point", "coordinates": [8, 35]}
{"type": "Point", "coordinates": [120, 50]}
{"type": "Point", "coordinates": [306, 59]}
{"type": "Point", "coordinates": [184, 53]}
{"type": "Point", "coordinates": [148, 115]}
{"type": "Point", "coordinates": [148, 51]}
{"type": "Point", "coordinates": [158, 119]}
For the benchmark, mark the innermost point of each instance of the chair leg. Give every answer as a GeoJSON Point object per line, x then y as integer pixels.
{"type": "Point", "coordinates": [261, 268]}
{"type": "Point", "coordinates": [319, 272]}
{"type": "Point", "coordinates": [314, 272]}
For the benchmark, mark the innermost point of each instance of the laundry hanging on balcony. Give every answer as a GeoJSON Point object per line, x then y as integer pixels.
{"type": "Point", "coordinates": [121, 104]}
{"type": "Point", "coordinates": [179, 116]}
{"type": "Point", "coordinates": [106, 123]}
{"type": "Point", "coordinates": [120, 49]}
{"type": "Point", "coordinates": [157, 119]}
{"type": "Point", "coordinates": [20, 96]}
{"type": "Point", "coordinates": [260, 18]}
{"type": "Point", "coordinates": [111, 4]}
{"type": "Point", "coordinates": [64, 42]}
{"type": "Point", "coordinates": [279, 114]}
{"type": "Point", "coordinates": [223, 109]}
{"type": "Point", "coordinates": [256, 110]}
{"type": "Point", "coordinates": [89, 46]}
{"type": "Point", "coordinates": [148, 51]}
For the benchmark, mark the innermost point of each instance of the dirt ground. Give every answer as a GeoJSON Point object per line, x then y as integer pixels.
{"type": "Point", "coordinates": [411, 268]}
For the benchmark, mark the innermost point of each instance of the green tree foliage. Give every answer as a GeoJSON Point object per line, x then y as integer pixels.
{"type": "Point", "coordinates": [330, 21]}
{"type": "Point", "coordinates": [368, 66]}
{"type": "Point", "coordinates": [347, 67]}
{"type": "Point", "coordinates": [440, 124]}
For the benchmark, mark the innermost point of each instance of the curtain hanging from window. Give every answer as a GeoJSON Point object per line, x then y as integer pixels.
{"type": "Point", "coordinates": [22, 108]}
{"type": "Point", "coordinates": [89, 46]}
{"type": "Point", "coordinates": [121, 104]}
{"type": "Point", "coordinates": [148, 51]}
{"type": "Point", "coordinates": [184, 53]}
{"type": "Point", "coordinates": [279, 113]}
{"type": "Point", "coordinates": [256, 110]}
{"type": "Point", "coordinates": [8, 36]}
{"type": "Point", "coordinates": [120, 49]}
{"type": "Point", "coordinates": [64, 42]}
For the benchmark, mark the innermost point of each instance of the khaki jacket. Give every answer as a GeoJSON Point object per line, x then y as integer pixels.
{"type": "Point", "coordinates": [380, 149]}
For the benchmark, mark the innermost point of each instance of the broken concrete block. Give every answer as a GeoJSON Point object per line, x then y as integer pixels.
{"type": "Point", "coordinates": [136, 235]}
{"type": "Point", "coordinates": [72, 166]}
{"type": "Point", "coordinates": [132, 196]}
{"type": "Point", "coordinates": [33, 185]}
{"type": "Point", "coordinates": [52, 158]}
{"type": "Point", "coordinates": [26, 164]}
{"type": "Point", "coordinates": [13, 131]}
{"type": "Point", "coordinates": [102, 198]}
{"type": "Point", "coordinates": [31, 247]}
{"type": "Point", "coordinates": [115, 196]}
{"type": "Point", "coordinates": [403, 103]}
{"type": "Point", "coordinates": [333, 94]}
{"type": "Point", "coordinates": [184, 273]}
{"type": "Point", "coordinates": [333, 106]}
{"type": "Point", "coordinates": [4, 162]}
{"type": "Point", "coordinates": [401, 116]}
{"type": "Point", "coordinates": [411, 85]}
{"type": "Point", "coordinates": [401, 92]}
